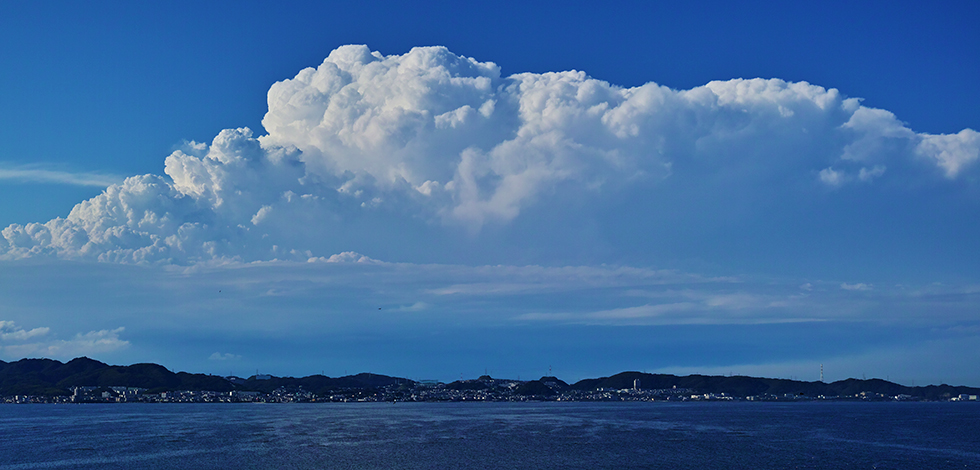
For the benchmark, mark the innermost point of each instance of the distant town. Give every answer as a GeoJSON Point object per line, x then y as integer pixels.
{"type": "Point", "coordinates": [83, 380]}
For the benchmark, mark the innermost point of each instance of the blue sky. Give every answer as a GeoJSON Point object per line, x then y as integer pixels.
{"type": "Point", "coordinates": [428, 213]}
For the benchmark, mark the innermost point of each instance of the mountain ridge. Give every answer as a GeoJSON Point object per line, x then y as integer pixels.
{"type": "Point", "coordinates": [49, 377]}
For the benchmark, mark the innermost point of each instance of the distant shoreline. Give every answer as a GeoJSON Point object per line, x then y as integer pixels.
{"type": "Point", "coordinates": [84, 380]}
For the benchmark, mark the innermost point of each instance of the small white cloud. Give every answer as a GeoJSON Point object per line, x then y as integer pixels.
{"type": "Point", "coordinates": [831, 177]}
{"type": "Point", "coordinates": [856, 287]}
{"type": "Point", "coordinates": [10, 332]}
{"type": "Point", "coordinates": [261, 214]}
{"type": "Point", "coordinates": [97, 341]}
{"type": "Point", "coordinates": [346, 257]}
{"type": "Point", "coordinates": [427, 187]}
{"type": "Point", "coordinates": [835, 178]}
{"type": "Point", "coordinates": [868, 174]}
{"type": "Point", "coordinates": [224, 357]}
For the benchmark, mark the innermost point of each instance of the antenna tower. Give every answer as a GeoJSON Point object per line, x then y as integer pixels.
{"type": "Point", "coordinates": [821, 372]}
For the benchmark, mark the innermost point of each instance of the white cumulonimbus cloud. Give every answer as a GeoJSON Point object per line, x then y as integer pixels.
{"type": "Point", "coordinates": [447, 139]}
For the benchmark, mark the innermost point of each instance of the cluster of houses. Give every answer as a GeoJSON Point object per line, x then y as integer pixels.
{"type": "Point", "coordinates": [482, 389]}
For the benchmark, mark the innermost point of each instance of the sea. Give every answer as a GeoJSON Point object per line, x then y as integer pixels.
{"type": "Point", "coordinates": [547, 435]}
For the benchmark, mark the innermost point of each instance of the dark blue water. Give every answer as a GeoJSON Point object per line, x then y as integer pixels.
{"type": "Point", "coordinates": [492, 435]}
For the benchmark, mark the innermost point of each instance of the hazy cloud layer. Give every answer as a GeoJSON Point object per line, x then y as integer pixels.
{"type": "Point", "coordinates": [302, 317]}
{"type": "Point", "coordinates": [16, 342]}
{"type": "Point", "coordinates": [445, 139]}
{"type": "Point", "coordinates": [354, 295]}
{"type": "Point", "coordinates": [933, 361]}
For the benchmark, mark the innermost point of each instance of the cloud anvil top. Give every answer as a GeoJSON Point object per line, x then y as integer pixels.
{"type": "Point", "coordinates": [433, 136]}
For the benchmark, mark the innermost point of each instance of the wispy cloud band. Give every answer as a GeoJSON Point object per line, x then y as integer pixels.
{"type": "Point", "coordinates": [38, 174]}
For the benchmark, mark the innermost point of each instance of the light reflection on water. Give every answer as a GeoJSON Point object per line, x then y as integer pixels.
{"type": "Point", "coordinates": [491, 435]}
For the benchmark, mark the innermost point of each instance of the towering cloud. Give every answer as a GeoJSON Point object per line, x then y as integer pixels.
{"type": "Point", "coordinates": [442, 138]}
